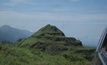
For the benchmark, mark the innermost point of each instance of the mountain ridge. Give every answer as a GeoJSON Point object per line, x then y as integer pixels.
{"type": "Point", "coordinates": [9, 33]}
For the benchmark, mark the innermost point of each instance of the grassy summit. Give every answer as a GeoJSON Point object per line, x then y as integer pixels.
{"type": "Point", "coordinates": [49, 29]}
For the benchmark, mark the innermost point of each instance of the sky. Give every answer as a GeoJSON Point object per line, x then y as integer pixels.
{"type": "Point", "coordinates": [83, 19]}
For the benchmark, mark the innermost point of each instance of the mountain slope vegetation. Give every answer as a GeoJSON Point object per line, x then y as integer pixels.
{"type": "Point", "coordinates": [49, 39]}
{"type": "Point", "coordinates": [12, 55]}
{"type": "Point", "coordinates": [47, 46]}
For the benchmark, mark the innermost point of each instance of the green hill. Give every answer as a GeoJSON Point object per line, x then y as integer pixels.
{"type": "Point", "coordinates": [48, 46]}
{"type": "Point", "coordinates": [49, 38]}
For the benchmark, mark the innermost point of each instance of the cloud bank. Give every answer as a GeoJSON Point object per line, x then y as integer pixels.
{"type": "Point", "coordinates": [67, 17]}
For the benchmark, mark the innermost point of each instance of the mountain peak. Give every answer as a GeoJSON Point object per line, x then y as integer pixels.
{"type": "Point", "coordinates": [12, 34]}
{"type": "Point", "coordinates": [5, 26]}
{"type": "Point", "coordinates": [49, 30]}
{"type": "Point", "coordinates": [49, 37]}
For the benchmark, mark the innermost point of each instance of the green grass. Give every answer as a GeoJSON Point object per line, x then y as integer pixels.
{"type": "Point", "coordinates": [11, 55]}
{"type": "Point", "coordinates": [48, 46]}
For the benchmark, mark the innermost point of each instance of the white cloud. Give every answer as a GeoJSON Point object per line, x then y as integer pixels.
{"type": "Point", "coordinates": [37, 16]}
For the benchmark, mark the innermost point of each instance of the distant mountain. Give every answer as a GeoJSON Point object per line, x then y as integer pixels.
{"type": "Point", "coordinates": [8, 33]}
{"type": "Point", "coordinates": [50, 39]}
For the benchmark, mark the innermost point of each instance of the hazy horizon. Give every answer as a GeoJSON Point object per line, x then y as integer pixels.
{"type": "Point", "coordinates": [82, 19]}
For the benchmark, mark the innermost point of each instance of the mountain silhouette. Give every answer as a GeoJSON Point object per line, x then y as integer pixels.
{"type": "Point", "coordinates": [8, 33]}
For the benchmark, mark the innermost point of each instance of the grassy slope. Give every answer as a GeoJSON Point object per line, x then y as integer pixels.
{"type": "Point", "coordinates": [47, 28]}
{"type": "Point", "coordinates": [56, 53]}
{"type": "Point", "coordinates": [10, 55]}
{"type": "Point", "coordinates": [46, 35]}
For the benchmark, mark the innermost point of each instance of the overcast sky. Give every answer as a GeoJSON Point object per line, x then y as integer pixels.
{"type": "Point", "coordinates": [82, 19]}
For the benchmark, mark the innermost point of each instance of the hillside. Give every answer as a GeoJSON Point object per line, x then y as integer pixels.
{"type": "Point", "coordinates": [47, 46]}
{"type": "Point", "coordinates": [11, 55]}
{"type": "Point", "coordinates": [50, 39]}
{"type": "Point", "coordinates": [8, 33]}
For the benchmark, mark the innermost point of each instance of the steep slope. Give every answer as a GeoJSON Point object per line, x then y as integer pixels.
{"type": "Point", "coordinates": [11, 34]}
{"type": "Point", "coordinates": [49, 38]}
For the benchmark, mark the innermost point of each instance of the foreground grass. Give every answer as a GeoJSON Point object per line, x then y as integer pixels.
{"type": "Point", "coordinates": [11, 55]}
